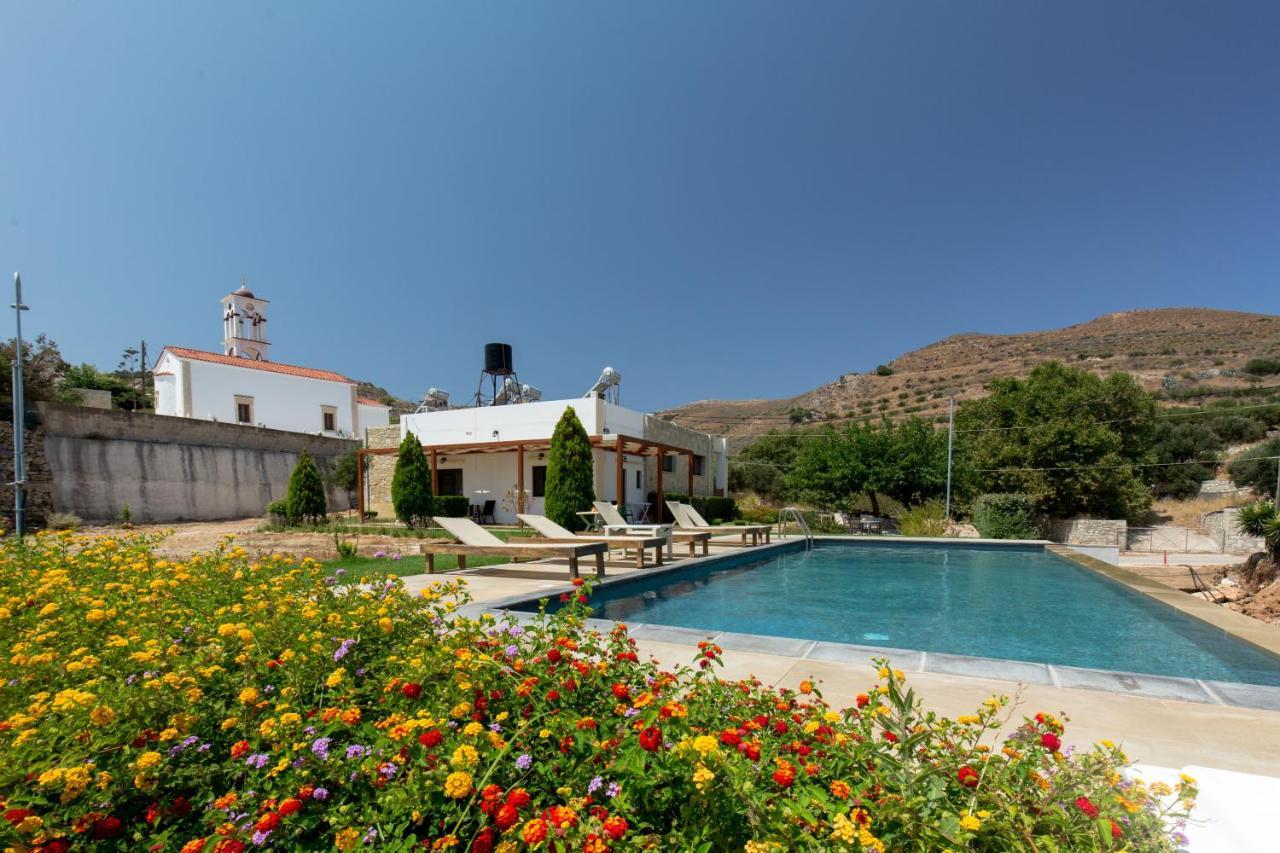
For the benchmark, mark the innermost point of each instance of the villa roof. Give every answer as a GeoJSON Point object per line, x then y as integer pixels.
{"type": "Point", "coordinates": [367, 401]}
{"type": "Point", "coordinates": [253, 364]}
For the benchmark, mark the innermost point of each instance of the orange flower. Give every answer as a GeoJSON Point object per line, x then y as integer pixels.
{"type": "Point", "coordinates": [534, 832]}
{"type": "Point", "coordinates": [840, 790]}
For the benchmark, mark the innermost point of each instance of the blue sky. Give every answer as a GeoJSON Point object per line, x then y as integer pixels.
{"type": "Point", "coordinates": [719, 199]}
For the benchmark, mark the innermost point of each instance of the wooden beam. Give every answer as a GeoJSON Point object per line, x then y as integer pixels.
{"type": "Point", "coordinates": [690, 460]}
{"type": "Point", "coordinates": [519, 478]}
{"type": "Point", "coordinates": [621, 493]}
{"type": "Point", "coordinates": [435, 474]}
{"type": "Point", "coordinates": [360, 483]}
{"type": "Point", "coordinates": [662, 505]}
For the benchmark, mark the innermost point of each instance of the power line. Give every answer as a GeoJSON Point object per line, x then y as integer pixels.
{"type": "Point", "coordinates": [1121, 466]}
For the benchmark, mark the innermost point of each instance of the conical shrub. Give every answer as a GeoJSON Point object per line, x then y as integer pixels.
{"type": "Point", "coordinates": [305, 499]}
{"type": "Point", "coordinates": [411, 493]}
{"type": "Point", "coordinates": [570, 473]}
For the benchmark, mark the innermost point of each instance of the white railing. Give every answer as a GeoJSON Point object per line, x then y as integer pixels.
{"type": "Point", "coordinates": [792, 516]}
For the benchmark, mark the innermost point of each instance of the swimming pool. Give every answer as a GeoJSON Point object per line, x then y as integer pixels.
{"type": "Point", "coordinates": [1020, 603]}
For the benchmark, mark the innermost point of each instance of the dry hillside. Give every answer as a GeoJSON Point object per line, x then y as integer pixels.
{"type": "Point", "coordinates": [1172, 350]}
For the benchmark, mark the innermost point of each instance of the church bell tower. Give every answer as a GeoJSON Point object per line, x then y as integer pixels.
{"type": "Point", "coordinates": [244, 324]}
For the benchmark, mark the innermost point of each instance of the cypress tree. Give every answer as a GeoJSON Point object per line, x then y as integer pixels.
{"type": "Point", "coordinates": [411, 493]}
{"type": "Point", "coordinates": [570, 473]}
{"type": "Point", "coordinates": [305, 499]}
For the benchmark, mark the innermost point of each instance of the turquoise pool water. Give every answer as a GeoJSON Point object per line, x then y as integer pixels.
{"type": "Point", "coordinates": [1000, 602]}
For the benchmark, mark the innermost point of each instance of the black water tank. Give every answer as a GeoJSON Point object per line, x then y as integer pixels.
{"type": "Point", "coordinates": [497, 359]}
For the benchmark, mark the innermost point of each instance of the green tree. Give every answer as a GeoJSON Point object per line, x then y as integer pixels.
{"type": "Point", "coordinates": [761, 466]}
{"type": "Point", "coordinates": [1260, 519]}
{"type": "Point", "coordinates": [42, 369]}
{"type": "Point", "coordinates": [342, 474]}
{"type": "Point", "coordinates": [1176, 446]}
{"type": "Point", "coordinates": [1071, 440]}
{"type": "Point", "coordinates": [570, 473]}
{"type": "Point", "coordinates": [905, 461]}
{"type": "Point", "coordinates": [305, 498]}
{"type": "Point", "coordinates": [1256, 467]}
{"type": "Point", "coordinates": [411, 492]}
{"type": "Point", "coordinates": [123, 394]}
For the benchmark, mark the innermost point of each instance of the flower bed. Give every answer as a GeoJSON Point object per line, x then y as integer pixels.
{"type": "Point", "coordinates": [222, 703]}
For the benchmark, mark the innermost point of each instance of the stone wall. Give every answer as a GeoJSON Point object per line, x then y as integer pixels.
{"type": "Point", "coordinates": [678, 481]}
{"type": "Point", "coordinates": [1089, 531]}
{"type": "Point", "coordinates": [169, 468]}
{"type": "Point", "coordinates": [1221, 527]}
{"type": "Point", "coordinates": [378, 469]}
{"type": "Point", "coordinates": [39, 491]}
{"type": "Point", "coordinates": [1220, 488]}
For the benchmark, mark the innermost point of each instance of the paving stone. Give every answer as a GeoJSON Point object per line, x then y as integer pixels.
{"type": "Point", "coordinates": [1005, 670]}
{"type": "Point", "coordinates": [764, 645]}
{"type": "Point", "coordinates": [671, 634]}
{"type": "Point", "coordinates": [1247, 695]}
{"type": "Point", "coordinates": [1132, 683]}
{"type": "Point", "coordinates": [905, 659]}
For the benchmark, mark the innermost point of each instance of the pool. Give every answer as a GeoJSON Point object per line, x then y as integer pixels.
{"type": "Point", "coordinates": [1020, 603]}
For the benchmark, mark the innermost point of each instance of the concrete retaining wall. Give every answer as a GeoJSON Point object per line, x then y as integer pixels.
{"type": "Point", "coordinates": [172, 469]}
{"type": "Point", "coordinates": [1221, 527]}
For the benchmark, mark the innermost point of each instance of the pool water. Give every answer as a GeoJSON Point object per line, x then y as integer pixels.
{"type": "Point", "coordinates": [1000, 602]}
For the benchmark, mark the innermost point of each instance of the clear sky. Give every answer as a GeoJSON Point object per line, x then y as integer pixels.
{"type": "Point", "coordinates": [719, 199]}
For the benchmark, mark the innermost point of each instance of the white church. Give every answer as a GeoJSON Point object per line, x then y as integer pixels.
{"type": "Point", "coordinates": [241, 385]}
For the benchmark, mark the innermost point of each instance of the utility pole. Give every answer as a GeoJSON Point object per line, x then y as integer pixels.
{"type": "Point", "coordinates": [19, 416]}
{"type": "Point", "coordinates": [951, 434]}
{"type": "Point", "coordinates": [1276, 502]}
{"type": "Point", "coordinates": [142, 376]}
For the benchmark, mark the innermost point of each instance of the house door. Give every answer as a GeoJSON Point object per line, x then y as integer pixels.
{"type": "Point", "coordinates": [635, 491]}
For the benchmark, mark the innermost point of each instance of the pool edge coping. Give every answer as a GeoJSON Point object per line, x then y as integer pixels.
{"type": "Point", "coordinates": [1146, 685]}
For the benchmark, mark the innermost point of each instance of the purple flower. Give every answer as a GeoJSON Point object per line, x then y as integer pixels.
{"type": "Point", "coordinates": [320, 794]}
{"type": "Point", "coordinates": [388, 770]}
{"type": "Point", "coordinates": [259, 760]}
{"type": "Point", "coordinates": [515, 630]}
{"type": "Point", "coordinates": [357, 751]}
{"type": "Point", "coordinates": [379, 554]}
{"type": "Point", "coordinates": [595, 784]}
{"type": "Point", "coordinates": [511, 652]}
{"type": "Point", "coordinates": [340, 572]}
{"type": "Point", "coordinates": [524, 762]}
{"type": "Point", "coordinates": [260, 837]}
{"type": "Point", "coordinates": [495, 727]}
{"type": "Point", "coordinates": [204, 747]}
{"type": "Point", "coordinates": [342, 650]}
{"type": "Point", "coordinates": [321, 748]}
{"type": "Point", "coordinates": [370, 836]}
{"type": "Point", "coordinates": [396, 555]}
{"type": "Point", "coordinates": [613, 790]}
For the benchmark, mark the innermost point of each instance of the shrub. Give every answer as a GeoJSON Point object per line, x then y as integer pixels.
{"type": "Point", "coordinates": [1238, 429]}
{"type": "Point", "coordinates": [1260, 519]}
{"type": "Point", "coordinates": [927, 519]}
{"type": "Point", "coordinates": [1262, 366]}
{"type": "Point", "coordinates": [452, 506]}
{"type": "Point", "coordinates": [1005, 516]}
{"type": "Point", "coordinates": [278, 511]}
{"type": "Point", "coordinates": [346, 550]}
{"type": "Point", "coordinates": [62, 521]}
{"type": "Point", "coordinates": [570, 485]}
{"type": "Point", "coordinates": [411, 492]}
{"type": "Point", "coordinates": [1254, 469]}
{"type": "Point", "coordinates": [125, 517]}
{"type": "Point", "coordinates": [884, 370]}
{"type": "Point", "coordinates": [252, 726]}
{"type": "Point", "coordinates": [305, 497]}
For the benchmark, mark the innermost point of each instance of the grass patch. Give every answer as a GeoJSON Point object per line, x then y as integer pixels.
{"type": "Point", "coordinates": [412, 564]}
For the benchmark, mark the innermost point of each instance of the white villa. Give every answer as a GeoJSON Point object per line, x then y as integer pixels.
{"type": "Point", "coordinates": [499, 453]}
{"type": "Point", "coordinates": [241, 385]}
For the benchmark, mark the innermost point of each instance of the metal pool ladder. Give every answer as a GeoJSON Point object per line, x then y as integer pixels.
{"type": "Point", "coordinates": [792, 516]}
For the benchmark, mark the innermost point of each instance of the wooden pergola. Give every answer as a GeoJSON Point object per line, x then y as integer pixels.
{"type": "Point", "coordinates": [621, 446]}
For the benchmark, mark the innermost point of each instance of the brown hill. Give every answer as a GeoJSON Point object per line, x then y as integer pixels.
{"type": "Point", "coordinates": [1183, 353]}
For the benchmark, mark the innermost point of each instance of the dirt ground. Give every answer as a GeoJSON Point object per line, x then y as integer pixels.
{"type": "Point", "coordinates": [188, 538]}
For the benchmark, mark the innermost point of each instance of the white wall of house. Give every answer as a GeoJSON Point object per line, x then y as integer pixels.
{"type": "Point", "coordinates": [209, 391]}
{"type": "Point", "coordinates": [372, 416]}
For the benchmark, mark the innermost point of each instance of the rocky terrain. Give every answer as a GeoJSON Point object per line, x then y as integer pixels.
{"type": "Point", "coordinates": [1186, 353]}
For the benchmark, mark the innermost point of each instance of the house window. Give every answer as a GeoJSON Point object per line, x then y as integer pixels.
{"type": "Point", "coordinates": [328, 419]}
{"type": "Point", "coordinates": [698, 463]}
{"type": "Point", "coordinates": [539, 481]}
{"type": "Point", "coordinates": [449, 481]}
{"type": "Point", "coordinates": [637, 479]}
{"type": "Point", "coordinates": [244, 410]}
{"type": "Point", "coordinates": [669, 464]}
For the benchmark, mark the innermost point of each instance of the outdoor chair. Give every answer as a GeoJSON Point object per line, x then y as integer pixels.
{"type": "Point", "coordinates": [687, 518]}
{"type": "Point", "coordinates": [552, 532]}
{"type": "Point", "coordinates": [613, 522]}
{"type": "Point", "coordinates": [486, 511]}
{"type": "Point", "coordinates": [470, 539]}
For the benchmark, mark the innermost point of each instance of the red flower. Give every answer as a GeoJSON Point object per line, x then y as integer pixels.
{"type": "Point", "coordinates": [614, 827]}
{"type": "Point", "coordinates": [105, 827]}
{"type": "Point", "coordinates": [889, 736]}
{"type": "Point", "coordinates": [267, 822]}
{"type": "Point", "coordinates": [519, 798]}
{"type": "Point", "coordinates": [967, 776]}
{"type": "Point", "coordinates": [863, 700]}
{"type": "Point", "coordinates": [17, 816]}
{"type": "Point", "coordinates": [412, 690]}
{"type": "Point", "coordinates": [1050, 741]}
{"type": "Point", "coordinates": [554, 656]}
{"type": "Point", "coordinates": [753, 751]}
{"type": "Point", "coordinates": [506, 817]}
{"type": "Point", "coordinates": [181, 807]}
{"type": "Point", "coordinates": [430, 738]}
{"type": "Point", "coordinates": [239, 748]}
{"type": "Point", "coordinates": [1086, 806]}
{"type": "Point", "coordinates": [620, 691]}
{"type": "Point", "coordinates": [289, 806]}
{"type": "Point", "coordinates": [229, 845]}
{"type": "Point", "coordinates": [784, 775]}
{"type": "Point", "coordinates": [578, 581]}
{"type": "Point", "coordinates": [651, 739]}
{"type": "Point", "coordinates": [57, 845]}
{"type": "Point", "coordinates": [1116, 831]}
{"type": "Point", "coordinates": [780, 727]}
{"type": "Point", "coordinates": [730, 737]}
{"type": "Point", "coordinates": [484, 840]}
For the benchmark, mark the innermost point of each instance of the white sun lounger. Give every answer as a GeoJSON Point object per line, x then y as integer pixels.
{"type": "Point", "coordinates": [552, 532]}
{"type": "Point", "coordinates": [473, 540]}
{"type": "Point", "coordinates": [687, 518]}
{"type": "Point", "coordinates": [615, 523]}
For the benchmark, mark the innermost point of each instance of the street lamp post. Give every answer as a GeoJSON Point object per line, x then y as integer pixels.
{"type": "Point", "coordinates": [19, 416]}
